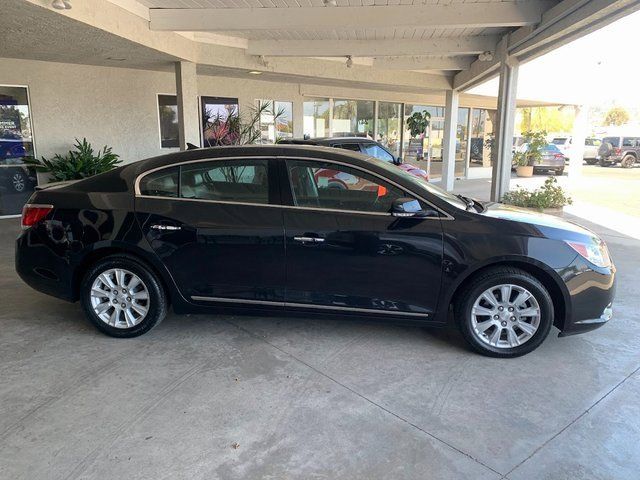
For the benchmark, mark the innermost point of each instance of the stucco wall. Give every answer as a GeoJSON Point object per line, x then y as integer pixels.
{"type": "Point", "coordinates": [118, 106]}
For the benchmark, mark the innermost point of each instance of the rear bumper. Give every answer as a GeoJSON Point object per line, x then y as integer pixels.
{"type": "Point", "coordinates": [41, 268]}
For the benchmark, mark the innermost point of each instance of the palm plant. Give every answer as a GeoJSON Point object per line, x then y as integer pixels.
{"type": "Point", "coordinates": [235, 128]}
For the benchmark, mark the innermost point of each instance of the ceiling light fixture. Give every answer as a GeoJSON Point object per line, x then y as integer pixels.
{"type": "Point", "coordinates": [485, 56]}
{"type": "Point", "coordinates": [349, 62]}
{"type": "Point", "coordinates": [255, 72]}
{"type": "Point", "coordinates": [61, 4]}
{"type": "Point", "coordinates": [330, 3]}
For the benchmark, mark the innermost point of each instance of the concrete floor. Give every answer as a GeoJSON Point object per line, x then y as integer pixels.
{"type": "Point", "coordinates": [237, 397]}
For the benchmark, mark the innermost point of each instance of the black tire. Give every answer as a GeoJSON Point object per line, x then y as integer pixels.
{"type": "Point", "coordinates": [559, 171]}
{"type": "Point", "coordinates": [628, 161]}
{"type": "Point", "coordinates": [591, 161]}
{"type": "Point", "coordinates": [484, 281]}
{"type": "Point", "coordinates": [157, 299]}
{"type": "Point", "coordinates": [604, 163]}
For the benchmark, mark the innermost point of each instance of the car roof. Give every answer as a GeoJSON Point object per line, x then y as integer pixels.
{"type": "Point", "coordinates": [326, 140]}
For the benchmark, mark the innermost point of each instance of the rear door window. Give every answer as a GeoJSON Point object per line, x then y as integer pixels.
{"type": "Point", "coordinates": [630, 141]}
{"type": "Point", "coordinates": [242, 181]}
{"type": "Point", "coordinates": [355, 147]}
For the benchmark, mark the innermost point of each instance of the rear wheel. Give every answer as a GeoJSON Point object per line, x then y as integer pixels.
{"type": "Point", "coordinates": [628, 161]}
{"type": "Point", "coordinates": [559, 171]}
{"type": "Point", "coordinates": [122, 297]}
{"type": "Point", "coordinates": [504, 312]}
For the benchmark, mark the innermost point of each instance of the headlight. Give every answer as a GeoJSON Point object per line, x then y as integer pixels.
{"type": "Point", "coordinates": [596, 252]}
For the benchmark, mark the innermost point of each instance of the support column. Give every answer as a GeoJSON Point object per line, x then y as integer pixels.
{"type": "Point", "coordinates": [505, 121]}
{"type": "Point", "coordinates": [187, 93]}
{"type": "Point", "coordinates": [298, 118]}
{"type": "Point", "coordinates": [578, 135]}
{"type": "Point", "coordinates": [449, 139]}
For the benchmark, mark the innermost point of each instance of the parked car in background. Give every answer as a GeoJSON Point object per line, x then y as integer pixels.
{"type": "Point", "coordinates": [362, 145]}
{"type": "Point", "coordinates": [591, 146]}
{"type": "Point", "coordinates": [552, 159]}
{"type": "Point", "coordinates": [622, 150]}
{"type": "Point", "coordinates": [255, 229]}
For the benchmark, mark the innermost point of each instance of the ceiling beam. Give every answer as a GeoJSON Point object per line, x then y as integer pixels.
{"type": "Point", "coordinates": [456, 15]}
{"type": "Point", "coordinates": [423, 63]}
{"type": "Point", "coordinates": [370, 48]}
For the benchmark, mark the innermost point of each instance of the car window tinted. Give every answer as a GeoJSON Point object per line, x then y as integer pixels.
{"type": "Point", "coordinates": [377, 151]}
{"type": "Point", "coordinates": [347, 146]}
{"type": "Point", "coordinates": [559, 141]}
{"type": "Point", "coordinates": [630, 142]}
{"type": "Point", "coordinates": [243, 181]}
{"type": "Point", "coordinates": [338, 187]}
{"type": "Point", "coordinates": [163, 183]}
{"type": "Point", "coordinates": [614, 141]}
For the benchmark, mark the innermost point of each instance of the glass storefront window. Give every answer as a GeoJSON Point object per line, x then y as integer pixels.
{"type": "Point", "coordinates": [390, 126]}
{"type": "Point", "coordinates": [168, 115]}
{"type": "Point", "coordinates": [316, 118]}
{"type": "Point", "coordinates": [352, 118]}
{"type": "Point", "coordinates": [481, 127]}
{"type": "Point", "coordinates": [216, 130]}
{"type": "Point", "coordinates": [17, 182]}
{"type": "Point", "coordinates": [276, 121]}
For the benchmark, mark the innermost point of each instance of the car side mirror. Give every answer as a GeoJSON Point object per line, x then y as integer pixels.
{"type": "Point", "coordinates": [409, 207]}
{"type": "Point", "coordinates": [397, 160]}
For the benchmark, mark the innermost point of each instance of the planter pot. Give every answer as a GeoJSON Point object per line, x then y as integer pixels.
{"type": "Point", "coordinates": [558, 212]}
{"type": "Point", "coordinates": [524, 171]}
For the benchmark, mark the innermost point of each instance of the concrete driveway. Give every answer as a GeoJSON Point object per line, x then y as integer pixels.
{"type": "Point", "coordinates": [205, 397]}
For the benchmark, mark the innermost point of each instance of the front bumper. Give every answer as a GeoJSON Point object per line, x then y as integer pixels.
{"type": "Point", "coordinates": [592, 291]}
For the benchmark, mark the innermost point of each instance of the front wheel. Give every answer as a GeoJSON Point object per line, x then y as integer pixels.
{"type": "Point", "coordinates": [122, 297]}
{"type": "Point", "coordinates": [504, 312]}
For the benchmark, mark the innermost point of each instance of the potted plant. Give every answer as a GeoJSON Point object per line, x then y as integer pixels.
{"type": "Point", "coordinates": [531, 154]}
{"type": "Point", "coordinates": [77, 164]}
{"type": "Point", "coordinates": [521, 161]}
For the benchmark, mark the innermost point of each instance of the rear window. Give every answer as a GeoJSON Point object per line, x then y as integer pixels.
{"type": "Point", "coordinates": [559, 141]}
{"type": "Point", "coordinates": [551, 148]}
{"type": "Point", "coordinates": [614, 141]}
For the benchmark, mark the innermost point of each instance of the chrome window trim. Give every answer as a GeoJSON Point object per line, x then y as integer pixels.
{"type": "Point", "coordinates": [444, 215]}
{"type": "Point", "coordinates": [307, 305]}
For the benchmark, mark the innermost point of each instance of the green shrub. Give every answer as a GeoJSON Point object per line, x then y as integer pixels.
{"type": "Point", "coordinates": [550, 195]}
{"type": "Point", "coordinates": [80, 163]}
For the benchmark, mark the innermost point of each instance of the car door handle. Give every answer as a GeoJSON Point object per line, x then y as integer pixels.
{"type": "Point", "coordinates": [165, 227]}
{"type": "Point", "coordinates": [309, 239]}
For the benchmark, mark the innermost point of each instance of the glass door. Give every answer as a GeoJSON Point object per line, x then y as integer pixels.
{"type": "Point", "coordinates": [17, 181]}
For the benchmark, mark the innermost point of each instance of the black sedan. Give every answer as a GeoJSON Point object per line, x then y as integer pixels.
{"type": "Point", "coordinates": [309, 231]}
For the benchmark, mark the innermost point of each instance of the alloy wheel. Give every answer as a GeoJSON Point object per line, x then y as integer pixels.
{"type": "Point", "coordinates": [119, 298]}
{"type": "Point", "coordinates": [18, 182]}
{"type": "Point", "coordinates": [505, 316]}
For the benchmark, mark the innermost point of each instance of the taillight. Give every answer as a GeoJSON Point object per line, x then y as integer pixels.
{"type": "Point", "coordinates": [32, 213]}
{"type": "Point", "coordinates": [558, 155]}
{"type": "Point", "coordinates": [617, 151]}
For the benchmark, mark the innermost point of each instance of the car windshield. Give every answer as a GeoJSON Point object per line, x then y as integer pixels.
{"type": "Point", "coordinates": [421, 184]}
{"type": "Point", "coordinates": [559, 141]}
{"type": "Point", "coordinates": [614, 141]}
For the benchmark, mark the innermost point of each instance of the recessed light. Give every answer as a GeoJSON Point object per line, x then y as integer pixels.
{"type": "Point", "coordinates": [255, 72]}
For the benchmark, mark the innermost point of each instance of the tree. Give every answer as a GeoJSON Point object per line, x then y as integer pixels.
{"type": "Point", "coordinates": [616, 116]}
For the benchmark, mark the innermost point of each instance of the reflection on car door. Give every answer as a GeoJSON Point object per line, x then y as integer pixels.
{"type": "Point", "coordinates": [217, 228]}
{"type": "Point", "coordinates": [345, 251]}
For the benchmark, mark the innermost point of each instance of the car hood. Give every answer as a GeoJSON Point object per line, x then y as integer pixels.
{"type": "Point", "coordinates": [522, 215]}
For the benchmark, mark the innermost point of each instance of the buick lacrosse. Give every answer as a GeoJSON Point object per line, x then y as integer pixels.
{"type": "Point", "coordinates": [309, 231]}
